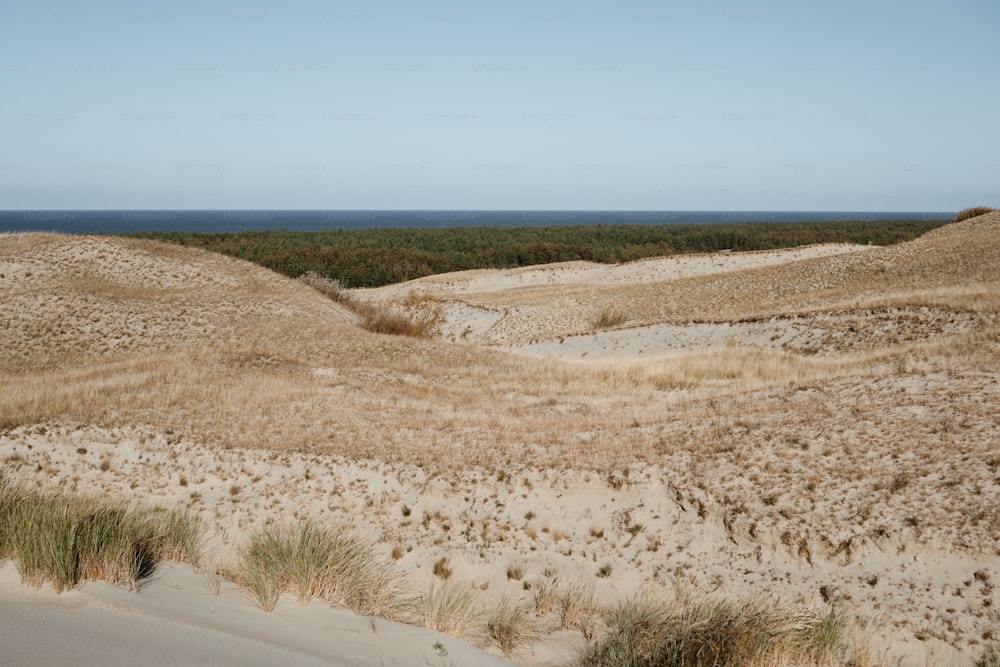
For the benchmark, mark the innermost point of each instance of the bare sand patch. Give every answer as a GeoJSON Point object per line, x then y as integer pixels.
{"type": "Point", "coordinates": [592, 273]}
{"type": "Point", "coordinates": [818, 333]}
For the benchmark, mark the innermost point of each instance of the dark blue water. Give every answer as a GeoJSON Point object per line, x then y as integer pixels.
{"type": "Point", "coordinates": [123, 222]}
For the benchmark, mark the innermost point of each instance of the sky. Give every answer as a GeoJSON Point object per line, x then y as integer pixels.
{"type": "Point", "coordinates": [852, 105]}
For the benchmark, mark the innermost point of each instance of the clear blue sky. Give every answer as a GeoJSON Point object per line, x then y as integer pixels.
{"type": "Point", "coordinates": [848, 105]}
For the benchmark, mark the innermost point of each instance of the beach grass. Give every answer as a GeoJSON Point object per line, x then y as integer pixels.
{"type": "Point", "coordinates": [450, 606]}
{"type": "Point", "coordinates": [310, 561]}
{"type": "Point", "coordinates": [63, 539]}
{"type": "Point", "coordinates": [650, 630]}
{"type": "Point", "coordinates": [509, 625]}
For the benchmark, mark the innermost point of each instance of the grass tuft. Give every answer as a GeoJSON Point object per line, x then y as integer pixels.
{"type": "Point", "coordinates": [650, 630]}
{"type": "Point", "coordinates": [509, 626]}
{"type": "Point", "coordinates": [450, 607]}
{"type": "Point", "coordinates": [310, 561]}
{"type": "Point", "coordinates": [63, 539]}
{"type": "Point", "coordinates": [578, 608]}
{"type": "Point", "coordinates": [181, 536]}
{"type": "Point", "coordinates": [610, 319]}
{"type": "Point", "coordinates": [546, 597]}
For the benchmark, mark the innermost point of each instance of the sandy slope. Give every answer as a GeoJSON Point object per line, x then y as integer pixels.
{"type": "Point", "coordinates": [176, 620]}
{"type": "Point", "coordinates": [818, 424]}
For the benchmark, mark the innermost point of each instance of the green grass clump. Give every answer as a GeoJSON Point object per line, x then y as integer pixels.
{"type": "Point", "coordinates": [64, 539]}
{"type": "Point", "coordinates": [310, 561]}
{"type": "Point", "coordinates": [12, 503]}
{"type": "Point", "coordinates": [648, 631]}
{"type": "Point", "coordinates": [180, 537]}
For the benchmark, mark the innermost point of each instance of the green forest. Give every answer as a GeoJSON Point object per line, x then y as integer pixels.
{"type": "Point", "coordinates": [377, 257]}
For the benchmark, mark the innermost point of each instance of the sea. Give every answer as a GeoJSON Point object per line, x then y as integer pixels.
{"type": "Point", "coordinates": [231, 221]}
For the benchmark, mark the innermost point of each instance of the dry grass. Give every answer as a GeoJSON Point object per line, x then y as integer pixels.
{"type": "Point", "coordinates": [311, 561]}
{"type": "Point", "coordinates": [420, 318]}
{"type": "Point", "coordinates": [451, 607]}
{"type": "Point", "coordinates": [509, 625]}
{"type": "Point", "coordinates": [648, 630]}
{"type": "Point", "coordinates": [973, 212]}
{"type": "Point", "coordinates": [229, 375]}
{"type": "Point", "coordinates": [610, 319]}
{"type": "Point", "coordinates": [545, 596]}
{"type": "Point", "coordinates": [578, 608]}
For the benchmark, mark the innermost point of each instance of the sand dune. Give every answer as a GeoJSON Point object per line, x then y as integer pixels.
{"type": "Point", "coordinates": [818, 424]}
{"type": "Point", "coordinates": [176, 621]}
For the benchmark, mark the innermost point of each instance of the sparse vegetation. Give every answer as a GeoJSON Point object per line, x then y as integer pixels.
{"type": "Point", "coordinates": [972, 212]}
{"type": "Point", "coordinates": [418, 317]}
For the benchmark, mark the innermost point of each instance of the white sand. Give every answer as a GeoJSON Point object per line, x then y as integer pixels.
{"type": "Point", "coordinates": [175, 620]}
{"type": "Point", "coordinates": [655, 269]}
{"type": "Point", "coordinates": [510, 327]}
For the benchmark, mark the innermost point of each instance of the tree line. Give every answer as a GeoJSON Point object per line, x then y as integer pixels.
{"type": "Point", "coordinates": [382, 256]}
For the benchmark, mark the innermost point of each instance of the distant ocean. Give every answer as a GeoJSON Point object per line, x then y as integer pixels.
{"type": "Point", "coordinates": [123, 222]}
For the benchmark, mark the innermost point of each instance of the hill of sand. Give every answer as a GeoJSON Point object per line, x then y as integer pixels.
{"type": "Point", "coordinates": [819, 424]}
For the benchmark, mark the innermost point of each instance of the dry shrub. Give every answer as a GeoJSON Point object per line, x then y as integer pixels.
{"type": "Point", "coordinates": [609, 319]}
{"type": "Point", "coordinates": [441, 568]}
{"type": "Point", "coordinates": [330, 287]}
{"type": "Point", "coordinates": [972, 212]}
